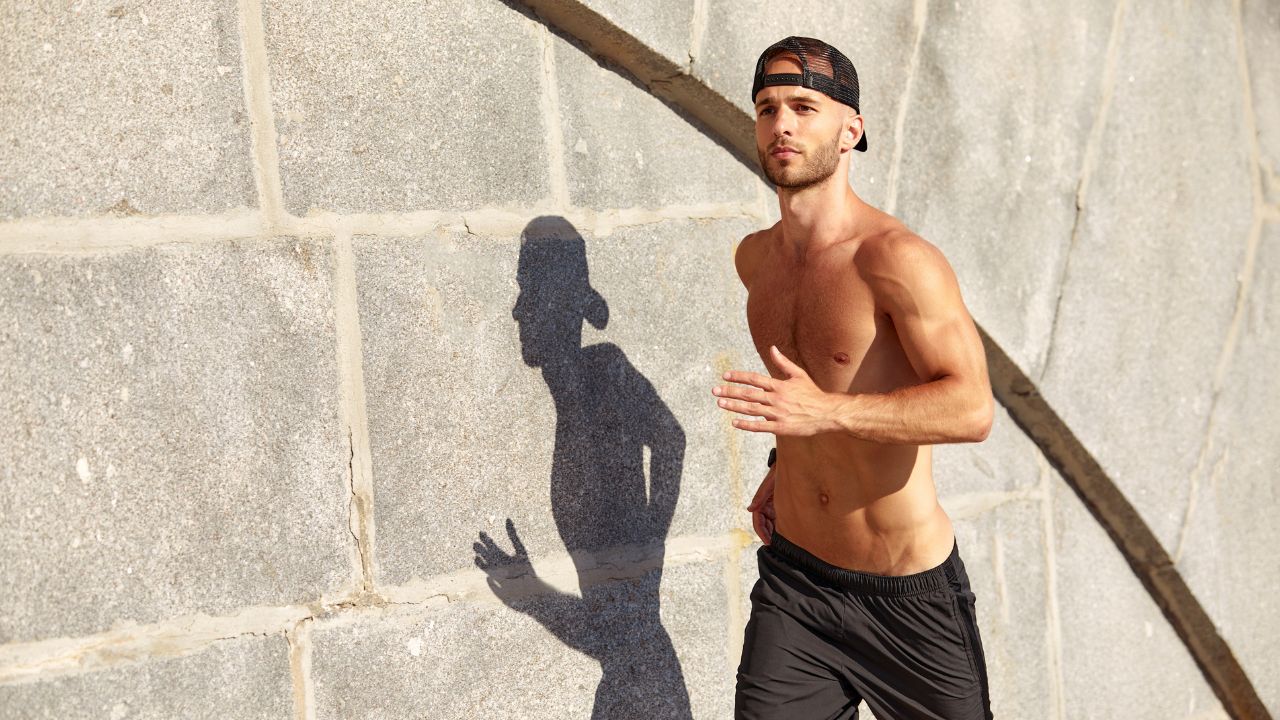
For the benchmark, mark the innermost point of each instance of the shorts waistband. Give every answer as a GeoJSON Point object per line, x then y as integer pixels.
{"type": "Point", "coordinates": [863, 582]}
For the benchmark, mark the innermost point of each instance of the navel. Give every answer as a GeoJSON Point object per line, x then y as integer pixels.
{"type": "Point", "coordinates": [842, 358]}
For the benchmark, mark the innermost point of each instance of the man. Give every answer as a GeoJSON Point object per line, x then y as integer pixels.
{"type": "Point", "coordinates": [872, 358]}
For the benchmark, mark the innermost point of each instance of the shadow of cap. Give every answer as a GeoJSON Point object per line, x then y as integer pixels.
{"type": "Point", "coordinates": [553, 261]}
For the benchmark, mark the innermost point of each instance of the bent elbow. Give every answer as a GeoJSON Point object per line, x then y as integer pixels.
{"type": "Point", "coordinates": [982, 419]}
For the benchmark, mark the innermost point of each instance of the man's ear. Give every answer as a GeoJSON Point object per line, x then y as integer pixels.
{"type": "Point", "coordinates": [852, 129]}
{"type": "Point", "coordinates": [847, 137]}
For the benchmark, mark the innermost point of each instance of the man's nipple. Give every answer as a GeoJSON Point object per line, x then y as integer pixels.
{"type": "Point", "coordinates": [822, 498]}
{"type": "Point", "coordinates": [842, 358]}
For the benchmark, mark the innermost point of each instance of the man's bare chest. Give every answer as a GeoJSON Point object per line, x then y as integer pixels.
{"type": "Point", "coordinates": [827, 322]}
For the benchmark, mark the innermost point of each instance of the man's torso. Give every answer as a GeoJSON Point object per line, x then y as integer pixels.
{"type": "Point", "coordinates": [854, 503]}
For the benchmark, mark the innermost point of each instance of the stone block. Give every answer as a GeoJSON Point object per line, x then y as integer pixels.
{"type": "Point", "coordinates": [1261, 26]}
{"type": "Point", "coordinates": [877, 36]}
{"type": "Point", "coordinates": [174, 445]}
{"type": "Point", "coordinates": [1120, 657]}
{"type": "Point", "coordinates": [969, 475]}
{"type": "Point", "coordinates": [1226, 551]}
{"type": "Point", "coordinates": [489, 397]}
{"type": "Point", "coordinates": [655, 642]}
{"type": "Point", "coordinates": [1151, 283]}
{"type": "Point", "coordinates": [111, 108]}
{"type": "Point", "coordinates": [666, 26]}
{"type": "Point", "coordinates": [625, 148]}
{"type": "Point", "coordinates": [405, 106]}
{"type": "Point", "coordinates": [994, 143]}
{"type": "Point", "coordinates": [245, 677]}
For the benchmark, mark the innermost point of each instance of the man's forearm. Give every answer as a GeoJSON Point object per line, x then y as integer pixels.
{"type": "Point", "coordinates": [941, 411]}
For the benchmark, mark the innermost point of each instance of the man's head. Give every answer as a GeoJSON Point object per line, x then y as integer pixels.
{"type": "Point", "coordinates": [806, 100]}
{"type": "Point", "coordinates": [555, 292]}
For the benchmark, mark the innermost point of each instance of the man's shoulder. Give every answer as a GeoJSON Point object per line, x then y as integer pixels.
{"type": "Point", "coordinates": [750, 251]}
{"type": "Point", "coordinates": [758, 239]}
{"type": "Point", "coordinates": [894, 248]}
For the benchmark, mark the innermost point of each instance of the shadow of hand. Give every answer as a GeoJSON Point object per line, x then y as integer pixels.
{"type": "Point", "coordinates": [500, 566]}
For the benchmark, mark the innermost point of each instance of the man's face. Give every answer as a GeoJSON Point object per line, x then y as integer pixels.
{"type": "Point", "coordinates": [798, 130]}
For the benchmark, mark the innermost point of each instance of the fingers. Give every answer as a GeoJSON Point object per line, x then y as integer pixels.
{"type": "Point", "coordinates": [763, 527]}
{"type": "Point", "coordinates": [746, 408]}
{"type": "Point", "coordinates": [784, 363]}
{"type": "Point", "coordinates": [768, 426]}
{"type": "Point", "coordinates": [741, 392]}
{"type": "Point", "coordinates": [515, 539]}
{"type": "Point", "coordinates": [764, 382]}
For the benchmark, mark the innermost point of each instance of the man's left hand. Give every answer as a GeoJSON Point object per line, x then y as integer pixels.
{"type": "Point", "coordinates": [794, 405]}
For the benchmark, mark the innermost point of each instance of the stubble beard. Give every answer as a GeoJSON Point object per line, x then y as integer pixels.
{"type": "Point", "coordinates": [818, 166]}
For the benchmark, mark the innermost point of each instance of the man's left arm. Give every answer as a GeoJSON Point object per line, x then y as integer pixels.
{"type": "Point", "coordinates": [915, 286]}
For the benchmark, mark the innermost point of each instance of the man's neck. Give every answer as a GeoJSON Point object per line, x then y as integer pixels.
{"type": "Point", "coordinates": [819, 215]}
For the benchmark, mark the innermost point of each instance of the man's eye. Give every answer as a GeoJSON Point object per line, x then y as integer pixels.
{"type": "Point", "coordinates": [766, 111]}
{"type": "Point", "coordinates": [805, 107]}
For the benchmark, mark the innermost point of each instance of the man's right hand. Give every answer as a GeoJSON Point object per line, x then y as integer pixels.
{"type": "Point", "coordinates": [761, 508]}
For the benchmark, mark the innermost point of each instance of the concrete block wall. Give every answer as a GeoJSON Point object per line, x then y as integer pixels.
{"type": "Point", "coordinates": [306, 308]}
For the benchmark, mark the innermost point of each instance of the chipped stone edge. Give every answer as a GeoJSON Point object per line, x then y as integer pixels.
{"type": "Point", "coordinates": [300, 648]}
{"type": "Point", "coordinates": [355, 419]}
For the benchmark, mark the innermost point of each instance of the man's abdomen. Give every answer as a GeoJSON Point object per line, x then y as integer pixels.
{"type": "Point", "coordinates": [872, 508]}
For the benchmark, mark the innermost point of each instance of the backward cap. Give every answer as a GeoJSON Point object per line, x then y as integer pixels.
{"type": "Point", "coordinates": [823, 68]}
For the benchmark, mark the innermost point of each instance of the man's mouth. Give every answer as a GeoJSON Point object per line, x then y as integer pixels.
{"type": "Point", "coordinates": [784, 152]}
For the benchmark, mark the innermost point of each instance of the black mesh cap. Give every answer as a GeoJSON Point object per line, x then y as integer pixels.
{"type": "Point", "coordinates": [824, 69]}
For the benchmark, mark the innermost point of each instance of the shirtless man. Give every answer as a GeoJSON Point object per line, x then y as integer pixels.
{"type": "Point", "coordinates": [872, 358]}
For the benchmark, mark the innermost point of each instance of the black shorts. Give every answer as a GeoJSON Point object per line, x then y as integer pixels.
{"type": "Point", "coordinates": [821, 638]}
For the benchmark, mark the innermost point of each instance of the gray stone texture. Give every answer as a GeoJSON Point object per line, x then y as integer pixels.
{"type": "Point", "coordinates": [1228, 552]}
{"type": "Point", "coordinates": [1261, 26]}
{"type": "Point", "coordinates": [1004, 554]}
{"type": "Point", "coordinates": [126, 109]}
{"type": "Point", "coordinates": [1151, 282]}
{"type": "Point", "coordinates": [401, 106]}
{"type": "Point", "coordinates": [467, 429]}
{"type": "Point", "coordinates": [877, 36]}
{"type": "Point", "coordinates": [1121, 658]}
{"type": "Point", "coordinates": [243, 678]}
{"type": "Point", "coordinates": [1004, 462]}
{"type": "Point", "coordinates": [654, 642]}
{"type": "Point", "coordinates": [993, 149]}
{"type": "Point", "coordinates": [663, 25]}
{"type": "Point", "coordinates": [625, 148]}
{"type": "Point", "coordinates": [174, 445]}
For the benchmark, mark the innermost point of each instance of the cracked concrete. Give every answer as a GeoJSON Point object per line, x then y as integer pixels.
{"type": "Point", "coordinates": [919, 17]}
{"type": "Point", "coordinates": [355, 418]}
{"type": "Point", "coordinates": [1092, 147]}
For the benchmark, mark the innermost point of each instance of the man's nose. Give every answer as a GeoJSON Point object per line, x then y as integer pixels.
{"type": "Point", "coordinates": [783, 123]}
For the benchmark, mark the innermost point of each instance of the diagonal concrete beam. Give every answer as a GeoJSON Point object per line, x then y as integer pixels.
{"type": "Point", "coordinates": [664, 79]}
{"type": "Point", "coordinates": [1015, 391]}
{"type": "Point", "coordinates": [1130, 533]}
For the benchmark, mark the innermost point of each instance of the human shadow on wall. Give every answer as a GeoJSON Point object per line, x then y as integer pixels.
{"type": "Point", "coordinates": [607, 512]}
